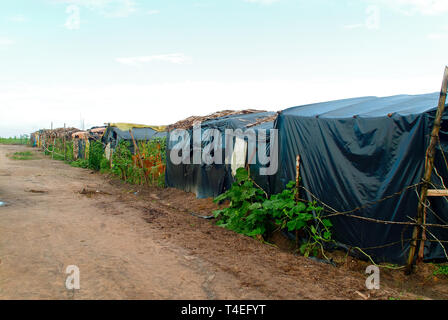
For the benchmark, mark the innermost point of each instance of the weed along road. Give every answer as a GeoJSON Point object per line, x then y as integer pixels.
{"type": "Point", "coordinates": [118, 241]}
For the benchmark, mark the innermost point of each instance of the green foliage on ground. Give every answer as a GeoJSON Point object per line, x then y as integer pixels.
{"type": "Point", "coordinates": [22, 140]}
{"type": "Point", "coordinates": [441, 270]}
{"type": "Point", "coordinates": [122, 160]}
{"type": "Point", "coordinates": [252, 213]}
{"type": "Point", "coordinates": [27, 155]}
{"type": "Point", "coordinates": [80, 163]}
{"type": "Point", "coordinates": [123, 165]}
{"type": "Point", "coordinates": [96, 155]}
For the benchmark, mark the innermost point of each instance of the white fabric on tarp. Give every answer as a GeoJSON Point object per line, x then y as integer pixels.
{"type": "Point", "coordinates": [108, 151]}
{"type": "Point", "coordinates": [239, 155]}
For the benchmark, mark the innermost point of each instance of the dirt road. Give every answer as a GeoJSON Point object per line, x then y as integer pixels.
{"type": "Point", "coordinates": [138, 244]}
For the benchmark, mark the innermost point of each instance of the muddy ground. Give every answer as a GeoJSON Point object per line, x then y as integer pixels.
{"type": "Point", "coordinates": [134, 243]}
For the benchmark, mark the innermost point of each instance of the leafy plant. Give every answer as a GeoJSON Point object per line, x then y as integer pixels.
{"type": "Point", "coordinates": [80, 163]}
{"type": "Point", "coordinates": [302, 218]}
{"type": "Point", "coordinates": [96, 155]}
{"type": "Point", "coordinates": [252, 214]}
{"type": "Point", "coordinates": [441, 270]}
{"type": "Point", "coordinates": [122, 160]}
{"type": "Point", "coordinates": [245, 213]}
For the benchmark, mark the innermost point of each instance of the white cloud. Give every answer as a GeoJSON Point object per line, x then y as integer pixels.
{"type": "Point", "coordinates": [17, 18]}
{"type": "Point", "coordinates": [262, 1]}
{"type": "Point", "coordinates": [73, 21]}
{"type": "Point", "coordinates": [5, 41]}
{"type": "Point", "coordinates": [107, 8]}
{"type": "Point", "coordinates": [152, 12]}
{"type": "Point", "coordinates": [411, 7]}
{"type": "Point", "coordinates": [176, 58]}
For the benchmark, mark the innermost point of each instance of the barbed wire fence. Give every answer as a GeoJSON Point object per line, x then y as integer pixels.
{"type": "Point", "coordinates": [412, 221]}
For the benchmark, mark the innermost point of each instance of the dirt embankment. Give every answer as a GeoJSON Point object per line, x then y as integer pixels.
{"type": "Point", "coordinates": [133, 243]}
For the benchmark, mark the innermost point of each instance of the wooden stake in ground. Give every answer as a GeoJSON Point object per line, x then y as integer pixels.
{"type": "Point", "coordinates": [65, 148]}
{"type": "Point", "coordinates": [429, 166]}
{"type": "Point", "coordinates": [297, 192]}
{"type": "Point", "coordinates": [137, 150]}
{"type": "Point", "coordinates": [52, 149]}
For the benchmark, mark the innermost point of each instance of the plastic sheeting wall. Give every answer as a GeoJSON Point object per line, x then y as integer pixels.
{"type": "Point", "coordinates": [362, 150]}
{"type": "Point", "coordinates": [212, 180]}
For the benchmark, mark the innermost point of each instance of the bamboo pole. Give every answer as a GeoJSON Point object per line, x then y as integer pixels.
{"type": "Point", "coordinates": [137, 150]}
{"type": "Point", "coordinates": [429, 166]}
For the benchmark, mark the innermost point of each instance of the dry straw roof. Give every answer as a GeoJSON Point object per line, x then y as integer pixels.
{"type": "Point", "coordinates": [188, 122]}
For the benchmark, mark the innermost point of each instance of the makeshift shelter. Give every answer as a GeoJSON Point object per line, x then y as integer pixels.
{"type": "Point", "coordinates": [96, 133]}
{"type": "Point", "coordinates": [357, 152]}
{"type": "Point", "coordinates": [80, 145]}
{"type": "Point", "coordinates": [45, 137]}
{"type": "Point", "coordinates": [210, 180]}
{"type": "Point", "coordinates": [117, 132]}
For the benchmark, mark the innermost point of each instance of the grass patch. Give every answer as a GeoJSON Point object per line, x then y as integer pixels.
{"type": "Point", "coordinates": [27, 155]}
{"type": "Point", "coordinates": [15, 141]}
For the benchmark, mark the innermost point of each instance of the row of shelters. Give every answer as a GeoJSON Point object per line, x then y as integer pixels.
{"type": "Point", "coordinates": [359, 156]}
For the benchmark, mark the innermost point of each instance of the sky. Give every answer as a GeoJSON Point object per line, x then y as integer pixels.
{"type": "Point", "coordinates": [90, 62]}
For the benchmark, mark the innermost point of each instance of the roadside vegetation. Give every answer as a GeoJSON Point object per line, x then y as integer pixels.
{"type": "Point", "coordinates": [252, 213]}
{"type": "Point", "coordinates": [22, 140]}
{"type": "Point", "coordinates": [27, 155]}
{"type": "Point", "coordinates": [147, 167]}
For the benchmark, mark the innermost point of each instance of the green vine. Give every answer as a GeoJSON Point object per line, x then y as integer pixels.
{"type": "Point", "coordinates": [251, 213]}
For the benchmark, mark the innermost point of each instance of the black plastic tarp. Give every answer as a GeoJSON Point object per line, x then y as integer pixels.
{"type": "Point", "coordinates": [114, 135]}
{"type": "Point", "coordinates": [210, 180]}
{"type": "Point", "coordinates": [356, 152]}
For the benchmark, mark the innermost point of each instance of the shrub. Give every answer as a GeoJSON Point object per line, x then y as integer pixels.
{"type": "Point", "coordinates": [250, 212]}
{"type": "Point", "coordinates": [96, 155]}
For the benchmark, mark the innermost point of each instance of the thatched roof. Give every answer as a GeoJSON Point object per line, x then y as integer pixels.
{"type": "Point", "coordinates": [188, 122]}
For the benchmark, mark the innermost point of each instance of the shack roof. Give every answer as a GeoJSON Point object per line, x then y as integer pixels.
{"type": "Point", "coordinates": [368, 107]}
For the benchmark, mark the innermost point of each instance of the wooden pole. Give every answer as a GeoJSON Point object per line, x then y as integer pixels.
{"type": "Point", "coordinates": [297, 196]}
{"type": "Point", "coordinates": [137, 150]}
{"type": "Point", "coordinates": [429, 166]}
{"type": "Point", "coordinates": [65, 145]}
{"type": "Point", "coordinates": [297, 177]}
{"type": "Point", "coordinates": [52, 149]}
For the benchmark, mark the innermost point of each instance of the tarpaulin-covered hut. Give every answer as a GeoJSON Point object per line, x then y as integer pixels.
{"type": "Point", "coordinates": [357, 152]}
{"type": "Point", "coordinates": [117, 132]}
{"type": "Point", "coordinates": [211, 179]}
{"type": "Point", "coordinates": [80, 145]}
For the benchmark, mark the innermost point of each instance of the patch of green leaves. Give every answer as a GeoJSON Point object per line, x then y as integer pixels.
{"type": "Point", "coordinates": [27, 155]}
{"type": "Point", "coordinates": [96, 155]}
{"type": "Point", "coordinates": [251, 213]}
{"type": "Point", "coordinates": [441, 270]}
{"type": "Point", "coordinates": [80, 163]}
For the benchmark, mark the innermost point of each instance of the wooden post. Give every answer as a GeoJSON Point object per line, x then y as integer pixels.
{"type": "Point", "coordinates": [139, 157]}
{"type": "Point", "coordinates": [297, 177]}
{"type": "Point", "coordinates": [52, 149]}
{"type": "Point", "coordinates": [429, 165]}
{"type": "Point", "coordinates": [297, 196]}
{"type": "Point", "coordinates": [65, 144]}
